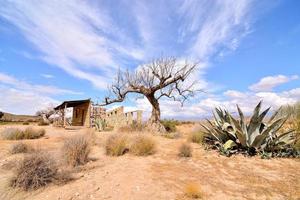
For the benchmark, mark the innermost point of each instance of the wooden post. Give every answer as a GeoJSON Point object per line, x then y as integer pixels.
{"type": "Point", "coordinates": [65, 115]}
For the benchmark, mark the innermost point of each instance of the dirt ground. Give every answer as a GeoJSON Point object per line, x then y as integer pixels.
{"type": "Point", "coordinates": [160, 176]}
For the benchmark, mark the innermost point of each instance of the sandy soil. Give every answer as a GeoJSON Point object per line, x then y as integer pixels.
{"type": "Point", "coordinates": [160, 176]}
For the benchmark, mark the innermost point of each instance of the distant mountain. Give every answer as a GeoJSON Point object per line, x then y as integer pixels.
{"type": "Point", "coordinates": [19, 118]}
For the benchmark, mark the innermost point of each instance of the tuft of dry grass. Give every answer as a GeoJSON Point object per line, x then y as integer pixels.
{"type": "Point", "coordinates": [193, 190]}
{"type": "Point", "coordinates": [196, 137]}
{"type": "Point", "coordinates": [172, 135]}
{"type": "Point", "coordinates": [11, 134]}
{"type": "Point", "coordinates": [185, 150]}
{"type": "Point", "coordinates": [18, 134]}
{"type": "Point", "coordinates": [76, 149]}
{"type": "Point", "coordinates": [19, 147]}
{"type": "Point", "coordinates": [134, 127]}
{"type": "Point", "coordinates": [36, 170]}
{"type": "Point", "coordinates": [116, 145]}
{"type": "Point", "coordinates": [31, 133]}
{"type": "Point", "coordinates": [43, 123]}
{"type": "Point", "coordinates": [143, 146]}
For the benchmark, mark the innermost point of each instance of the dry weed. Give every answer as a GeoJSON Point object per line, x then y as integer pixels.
{"type": "Point", "coordinates": [193, 190]}
{"type": "Point", "coordinates": [116, 145]}
{"type": "Point", "coordinates": [19, 147]}
{"type": "Point", "coordinates": [76, 149]}
{"type": "Point", "coordinates": [34, 171]}
{"type": "Point", "coordinates": [185, 150]}
{"type": "Point", "coordinates": [143, 145]}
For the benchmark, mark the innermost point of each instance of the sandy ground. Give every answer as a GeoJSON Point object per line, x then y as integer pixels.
{"type": "Point", "coordinates": [160, 176]}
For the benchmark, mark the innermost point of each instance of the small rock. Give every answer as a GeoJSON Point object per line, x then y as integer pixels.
{"type": "Point", "coordinates": [77, 193]}
{"type": "Point", "coordinates": [98, 188]}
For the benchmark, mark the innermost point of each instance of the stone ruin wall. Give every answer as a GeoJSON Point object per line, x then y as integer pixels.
{"type": "Point", "coordinates": [117, 117]}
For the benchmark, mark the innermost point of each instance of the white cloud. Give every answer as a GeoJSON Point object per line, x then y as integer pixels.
{"type": "Point", "coordinates": [49, 76]}
{"type": "Point", "coordinates": [268, 83]}
{"type": "Point", "coordinates": [218, 24]}
{"type": "Point", "coordinates": [21, 97]}
{"type": "Point", "coordinates": [35, 88]}
{"type": "Point", "coordinates": [229, 99]}
{"type": "Point", "coordinates": [73, 35]}
{"type": "Point", "coordinates": [23, 102]}
{"type": "Point", "coordinates": [90, 40]}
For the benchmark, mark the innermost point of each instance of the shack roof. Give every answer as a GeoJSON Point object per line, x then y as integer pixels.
{"type": "Point", "coordinates": [73, 103]}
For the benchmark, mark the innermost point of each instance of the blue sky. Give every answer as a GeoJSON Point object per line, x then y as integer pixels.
{"type": "Point", "coordinates": [51, 51]}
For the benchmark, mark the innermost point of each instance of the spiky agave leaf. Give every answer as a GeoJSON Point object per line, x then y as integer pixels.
{"type": "Point", "coordinates": [259, 139]}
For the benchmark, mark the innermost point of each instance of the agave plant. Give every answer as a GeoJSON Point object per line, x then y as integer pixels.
{"type": "Point", "coordinates": [255, 135]}
{"type": "Point", "coordinates": [100, 124]}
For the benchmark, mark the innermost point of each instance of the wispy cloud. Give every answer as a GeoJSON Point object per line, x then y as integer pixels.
{"type": "Point", "coordinates": [270, 82]}
{"type": "Point", "coordinates": [228, 99]}
{"type": "Point", "coordinates": [91, 40]}
{"type": "Point", "coordinates": [49, 76]}
{"type": "Point", "coordinates": [33, 88]}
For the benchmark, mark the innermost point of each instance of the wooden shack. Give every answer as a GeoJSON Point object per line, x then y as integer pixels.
{"type": "Point", "coordinates": [81, 112]}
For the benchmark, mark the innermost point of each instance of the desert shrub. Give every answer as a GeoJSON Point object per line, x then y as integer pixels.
{"type": "Point", "coordinates": [134, 127]}
{"type": "Point", "coordinates": [185, 150]}
{"type": "Point", "coordinates": [170, 125]}
{"type": "Point", "coordinates": [25, 123]}
{"type": "Point", "coordinates": [43, 123]}
{"type": "Point", "coordinates": [196, 136]}
{"type": "Point", "coordinates": [143, 145]}
{"type": "Point", "coordinates": [172, 135]}
{"type": "Point", "coordinates": [193, 190]}
{"type": "Point", "coordinates": [31, 133]}
{"type": "Point", "coordinates": [18, 134]}
{"type": "Point", "coordinates": [116, 145]}
{"type": "Point", "coordinates": [12, 134]}
{"type": "Point", "coordinates": [76, 150]}
{"type": "Point", "coordinates": [19, 147]}
{"type": "Point", "coordinates": [1, 114]}
{"type": "Point", "coordinates": [34, 171]}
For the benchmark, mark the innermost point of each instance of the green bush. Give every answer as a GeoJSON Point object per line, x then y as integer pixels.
{"type": "Point", "coordinates": [170, 125]}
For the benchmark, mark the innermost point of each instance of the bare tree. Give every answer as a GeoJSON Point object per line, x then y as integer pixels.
{"type": "Point", "coordinates": [164, 77]}
{"type": "Point", "coordinates": [46, 113]}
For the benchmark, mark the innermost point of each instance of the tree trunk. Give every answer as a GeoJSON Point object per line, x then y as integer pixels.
{"type": "Point", "coordinates": [154, 121]}
{"type": "Point", "coordinates": [155, 115]}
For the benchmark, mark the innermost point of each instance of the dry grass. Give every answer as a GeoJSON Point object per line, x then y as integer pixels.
{"type": "Point", "coordinates": [43, 123]}
{"type": "Point", "coordinates": [185, 150]}
{"type": "Point", "coordinates": [116, 145]}
{"type": "Point", "coordinates": [19, 147]}
{"type": "Point", "coordinates": [193, 190]}
{"type": "Point", "coordinates": [134, 127]}
{"type": "Point", "coordinates": [143, 145]}
{"type": "Point", "coordinates": [18, 134]}
{"type": "Point", "coordinates": [35, 171]}
{"type": "Point", "coordinates": [31, 133]}
{"type": "Point", "coordinates": [196, 137]}
{"type": "Point", "coordinates": [172, 135]}
{"type": "Point", "coordinates": [76, 149]}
